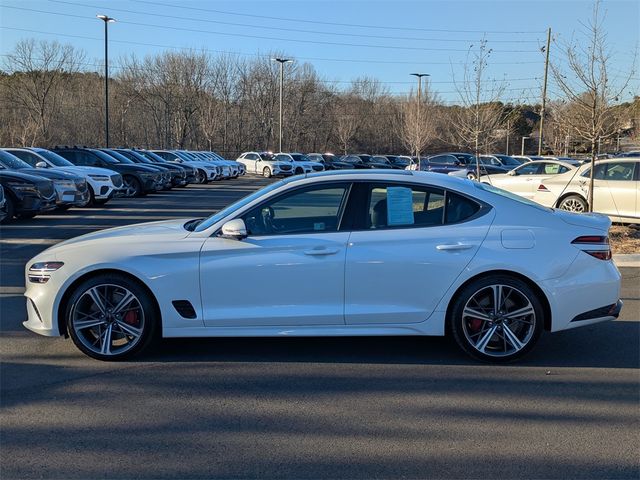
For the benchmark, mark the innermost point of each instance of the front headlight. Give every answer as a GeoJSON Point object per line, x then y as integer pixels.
{"type": "Point", "coordinates": [23, 187]}
{"type": "Point", "coordinates": [100, 178]}
{"type": "Point", "coordinates": [65, 183]}
{"type": "Point", "coordinates": [39, 271]}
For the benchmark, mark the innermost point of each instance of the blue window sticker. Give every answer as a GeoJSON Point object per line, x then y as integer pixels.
{"type": "Point", "coordinates": [399, 206]}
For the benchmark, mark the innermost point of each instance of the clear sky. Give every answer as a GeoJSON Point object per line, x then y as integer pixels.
{"type": "Point", "coordinates": [343, 40]}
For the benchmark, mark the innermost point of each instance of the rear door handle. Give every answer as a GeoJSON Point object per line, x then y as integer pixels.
{"type": "Point", "coordinates": [321, 251]}
{"type": "Point", "coordinates": [455, 246]}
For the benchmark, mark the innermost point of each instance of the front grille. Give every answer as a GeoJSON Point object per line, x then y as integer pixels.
{"type": "Point", "coordinates": [317, 168]}
{"type": "Point", "coordinates": [285, 167]}
{"type": "Point", "coordinates": [46, 189]}
{"type": "Point", "coordinates": [117, 180]}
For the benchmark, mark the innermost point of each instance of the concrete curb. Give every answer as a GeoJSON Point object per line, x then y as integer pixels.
{"type": "Point", "coordinates": [627, 259]}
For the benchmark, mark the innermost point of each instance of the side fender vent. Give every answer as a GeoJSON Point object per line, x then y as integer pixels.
{"type": "Point", "coordinates": [184, 308]}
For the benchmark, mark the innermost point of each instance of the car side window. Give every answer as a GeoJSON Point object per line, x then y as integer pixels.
{"type": "Point", "coordinates": [392, 206]}
{"type": "Point", "coordinates": [529, 169]}
{"type": "Point", "coordinates": [598, 173]}
{"type": "Point", "coordinates": [27, 157]}
{"type": "Point", "coordinates": [459, 208]}
{"type": "Point", "coordinates": [315, 209]}
{"type": "Point", "coordinates": [553, 168]}
{"type": "Point", "coordinates": [622, 171]}
{"type": "Point", "coordinates": [251, 156]}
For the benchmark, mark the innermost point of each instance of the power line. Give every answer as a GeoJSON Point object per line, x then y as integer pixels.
{"type": "Point", "coordinates": [318, 59]}
{"type": "Point", "coordinates": [318, 22]}
{"type": "Point", "coordinates": [263, 37]}
{"type": "Point", "coordinates": [289, 29]}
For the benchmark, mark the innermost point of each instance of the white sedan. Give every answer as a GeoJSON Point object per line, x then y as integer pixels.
{"type": "Point", "coordinates": [396, 253]}
{"type": "Point", "coordinates": [616, 189]}
{"type": "Point", "coordinates": [524, 180]}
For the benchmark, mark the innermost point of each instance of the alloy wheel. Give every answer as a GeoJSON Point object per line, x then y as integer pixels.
{"type": "Point", "coordinates": [131, 188]}
{"type": "Point", "coordinates": [498, 320]}
{"type": "Point", "coordinates": [108, 319]}
{"type": "Point", "coordinates": [573, 204]}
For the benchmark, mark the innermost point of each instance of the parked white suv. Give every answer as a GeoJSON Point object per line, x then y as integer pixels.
{"type": "Point", "coordinates": [103, 183]}
{"type": "Point", "coordinates": [300, 162]}
{"type": "Point", "coordinates": [264, 163]}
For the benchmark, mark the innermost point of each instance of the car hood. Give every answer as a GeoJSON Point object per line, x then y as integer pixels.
{"type": "Point", "coordinates": [13, 175]}
{"type": "Point", "coordinates": [162, 231]}
{"type": "Point", "coordinates": [138, 168]}
{"type": "Point", "coordinates": [88, 170]}
{"type": "Point", "coordinates": [51, 174]}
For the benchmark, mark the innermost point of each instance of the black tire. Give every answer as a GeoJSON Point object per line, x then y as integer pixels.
{"type": "Point", "coordinates": [488, 335]}
{"type": "Point", "coordinates": [266, 172]}
{"type": "Point", "coordinates": [146, 315]}
{"type": "Point", "coordinates": [27, 216]}
{"type": "Point", "coordinates": [10, 208]}
{"type": "Point", "coordinates": [92, 197]}
{"type": "Point", "coordinates": [298, 171]}
{"type": "Point", "coordinates": [201, 177]}
{"type": "Point", "coordinates": [134, 184]}
{"type": "Point", "coordinates": [573, 203]}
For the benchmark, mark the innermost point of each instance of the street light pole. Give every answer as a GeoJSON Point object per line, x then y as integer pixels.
{"type": "Point", "coordinates": [106, 19]}
{"type": "Point", "coordinates": [419, 77]}
{"type": "Point", "coordinates": [522, 149]}
{"type": "Point", "coordinates": [281, 61]}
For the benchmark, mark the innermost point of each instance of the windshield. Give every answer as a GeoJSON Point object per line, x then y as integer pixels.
{"type": "Point", "coordinates": [11, 161]}
{"type": "Point", "coordinates": [266, 156]}
{"type": "Point", "coordinates": [507, 160]}
{"type": "Point", "coordinates": [133, 156]}
{"type": "Point", "coordinates": [54, 158]}
{"type": "Point", "coordinates": [503, 193]}
{"type": "Point", "coordinates": [300, 158]}
{"type": "Point", "coordinates": [152, 156]}
{"type": "Point", "coordinates": [216, 217]}
{"type": "Point", "coordinates": [118, 157]}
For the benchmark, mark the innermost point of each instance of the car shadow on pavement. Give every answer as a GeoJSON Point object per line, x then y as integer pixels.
{"type": "Point", "coordinates": [607, 345]}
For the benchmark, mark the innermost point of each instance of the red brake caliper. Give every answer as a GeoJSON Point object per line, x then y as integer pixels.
{"type": "Point", "coordinates": [131, 317]}
{"type": "Point", "coordinates": [475, 324]}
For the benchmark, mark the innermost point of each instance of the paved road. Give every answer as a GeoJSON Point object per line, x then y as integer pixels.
{"type": "Point", "coordinates": [306, 408]}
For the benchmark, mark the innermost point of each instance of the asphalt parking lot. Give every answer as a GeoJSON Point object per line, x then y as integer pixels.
{"type": "Point", "coordinates": [306, 408]}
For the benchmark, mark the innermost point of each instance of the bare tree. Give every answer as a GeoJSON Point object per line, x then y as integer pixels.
{"type": "Point", "coordinates": [42, 70]}
{"type": "Point", "coordinates": [481, 113]}
{"type": "Point", "coordinates": [587, 85]}
{"type": "Point", "coordinates": [417, 126]}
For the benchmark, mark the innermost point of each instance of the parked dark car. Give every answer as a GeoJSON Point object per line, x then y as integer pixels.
{"type": "Point", "coordinates": [71, 189]}
{"type": "Point", "coordinates": [138, 179]}
{"type": "Point", "coordinates": [459, 164]}
{"type": "Point", "coordinates": [500, 159]}
{"type": "Point", "coordinates": [330, 161]}
{"type": "Point", "coordinates": [362, 160]}
{"type": "Point", "coordinates": [26, 195]}
{"type": "Point", "coordinates": [3, 205]}
{"type": "Point", "coordinates": [189, 171]}
{"type": "Point", "coordinates": [387, 160]}
{"type": "Point", "coordinates": [165, 174]}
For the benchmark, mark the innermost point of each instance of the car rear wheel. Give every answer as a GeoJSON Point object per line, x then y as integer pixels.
{"type": "Point", "coordinates": [110, 317]}
{"type": "Point", "coordinates": [497, 319]}
{"type": "Point", "coordinates": [266, 172]}
{"type": "Point", "coordinates": [471, 176]}
{"type": "Point", "coordinates": [573, 203]}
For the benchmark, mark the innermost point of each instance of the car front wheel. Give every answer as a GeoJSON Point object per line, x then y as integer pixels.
{"type": "Point", "coordinates": [266, 172]}
{"type": "Point", "coordinates": [110, 317]}
{"type": "Point", "coordinates": [497, 319]}
{"type": "Point", "coordinates": [132, 187]}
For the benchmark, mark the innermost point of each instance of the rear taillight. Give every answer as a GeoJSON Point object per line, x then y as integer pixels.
{"type": "Point", "coordinates": [587, 241]}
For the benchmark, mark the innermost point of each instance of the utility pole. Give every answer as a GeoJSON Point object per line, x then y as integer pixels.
{"type": "Point", "coordinates": [508, 133]}
{"type": "Point", "coordinates": [544, 91]}
{"type": "Point", "coordinates": [281, 61]}
{"type": "Point", "coordinates": [107, 20]}
{"type": "Point", "coordinates": [522, 149]}
{"type": "Point", "coordinates": [419, 76]}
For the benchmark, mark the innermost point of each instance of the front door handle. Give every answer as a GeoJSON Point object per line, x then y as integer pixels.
{"type": "Point", "coordinates": [321, 251]}
{"type": "Point", "coordinates": [454, 246]}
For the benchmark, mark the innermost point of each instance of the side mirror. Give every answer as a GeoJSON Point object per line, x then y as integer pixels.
{"type": "Point", "coordinates": [41, 165]}
{"type": "Point", "coordinates": [234, 229]}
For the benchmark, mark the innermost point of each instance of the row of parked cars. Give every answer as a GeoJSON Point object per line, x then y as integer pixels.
{"type": "Point", "coordinates": [552, 181]}
{"type": "Point", "coordinates": [36, 180]}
